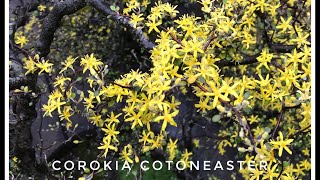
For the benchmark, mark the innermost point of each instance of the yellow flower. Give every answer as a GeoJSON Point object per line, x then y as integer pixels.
{"type": "Point", "coordinates": [206, 5]}
{"type": "Point", "coordinates": [153, 25]}
{"type": "Point", "coordinates": [44, 66]}
{"type": "Point", "coordinates": [282, 144]}
{"type": "Point", "coordinates": [110, 131]}
{"type": "Point", "coordinates": [135, 117]}
{"type": "Point", "coordinates": [305, 164]}
{"type": "Point", "coordinates": [285, 24]}
{"type": "Point", "coordinates": [88, 101]}
{"type": "Point", "coordinates": [60, 81]}
{"type": "Point", "coordinates": [96, 119]}
{"type": "Point", "coordinates": [22, 40]}
{"type": "Point", "coordinates": [113, 118]}
{"type": "Point", "coordinates": [15, 159]}
{"type": "Point", "coordinates": [30, 65]}
{"type": "Point", "coordinates": [42, 7]}
{"type": "Point", "coordinates": [196, 143]}
{"type": "Point", "coordinates": [216, 94]}
{"type": "Point", "coordinates": [145, 137]}
{"type": "Point", "coordinates": [253, 119]}
{"type": "Point", "coordinates": [264, 58]}
{"type": "Point", "coordinates": [68, 63]}
{"type": "Point", "coordinates": [262, 5]}
{"type": "Point", "coordinates": [91, 63]}
{"type": "Point", "coordinates": [172, 146]}
{"type": "Point", "coordinates": [270, 174]}
{"type": "Point", "coordinates": [126, 153]}
{"type": "Point", "coordinates": [203, 105]}
{"type": "Point", "coordinates": [48, 109]}
{"type": "Point", "coordinates": [185, 157]}
{"type": "Point", "coordinates": [66, 115]}
{"type": "Point", "coordinates": [301, 39]}
{"type": "Point", "coordinates": [170, 9]}
{"type": "Point", "coordinates": [135, 19]}
{"type": "Point", "coordinates": [306, 152]}
{"type": "Point", "coordinates": [106, 145]}
{"type": "Point", "coordinates": [167, 118]}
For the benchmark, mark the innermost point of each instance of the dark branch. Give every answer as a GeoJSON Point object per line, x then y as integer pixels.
{"type": "Point", "coordinates": [280, 118]}
{"type": "Point", "coordinates": [245, 61]}
{"type": "Point", "coordinates": [274, 48]}
{"type": "Point", "coordinates": [52, 22]}
{"type": "Point", "coordinates": [124, 21]}
{"type": "Point", "coordinates": [280, 48]}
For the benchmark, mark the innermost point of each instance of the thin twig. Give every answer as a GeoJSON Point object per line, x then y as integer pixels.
{"type": "Point", "coordinates": [172, 36]}
{"type": "Point", "coordinates": [123, 86]}
{"type": "Point", "coordinates": [280, 117]}
{"type": "Point", "coordinates": [25, 52]}
{"type": "Point", "coordinates": [238, 114]}
{"type": "Point", "coordinates": [300, 131]}
{"type": "Point", "coordinates": [211, 38]}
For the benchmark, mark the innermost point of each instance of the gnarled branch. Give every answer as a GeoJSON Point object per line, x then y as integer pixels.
{"type": "Point", "coordinates": [124, 21]}
{"type": "Point", "coordinates": [52, 21]}
{"type": "Point", "coordinates": [276, 48]}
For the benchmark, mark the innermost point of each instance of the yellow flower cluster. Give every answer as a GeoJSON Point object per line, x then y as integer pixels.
{"type": "Point", "coordinates": [228, 59]}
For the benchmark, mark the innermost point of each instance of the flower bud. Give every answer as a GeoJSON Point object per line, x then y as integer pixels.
{"type": "Point", "coordinates": [221, 108]}
{"type": "Point", "coordinates": [247, 141]}
{"type": "Point", "coordinates": [136, 159]}
{"type": "Point", "coordinates": [192, 79]}
{"type": "Point", "coordinates": [241, 149]}
{"type": "Point", "coordinates": [177, 81]}
{"type": "Point", "coordinates": [241, 133]}
{"type": "Point", "coordinates": [265, 135]}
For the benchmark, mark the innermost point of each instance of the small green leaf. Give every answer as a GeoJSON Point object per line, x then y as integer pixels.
{"type": "Point", "coordinates": [96, 93]}
{"type": "Point", "coordinates": [267, 129]}
{"type": "Point", "coordinates": [216, 118]}
{"type": "Point", "coordinates": [285, 164]}
{"type": "Point", "coordinates": [247, 110]}
{"type": "Point", "coordinates": [229, 58]}
{"type": "Point", "coordinates": [113, 8]}
{"type": "Point", "coordinates": [222, 55]}
{"type": "Point", "coordinates": [177, 62]}
{"type": "Point", "coordinates": [182, 83]}
{"type": "Point", "coordinates": [79, 78]}
{"type": "Point", "coordinates": [246, 95]}
{"type": "Point", "coordinates": [73, 95]}
{"type": "Point", "coordinates": [238, 140]}
{"type": "Point", "coordinates": [111, 103]}
{"type": "Point", "coordinates": [87, 170]}
{"type": "Point", "coordinates": [136, 88]}
{"type": "Point", "coordinates": [210, 51]}
{"type": "Point", "coordinates": [201, 79]}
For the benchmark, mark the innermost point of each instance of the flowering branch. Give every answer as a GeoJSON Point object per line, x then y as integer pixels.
{"type": "Point", "coordinates": [124, 21]}
{"type": "Point", "coordinates": [52, 21]}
